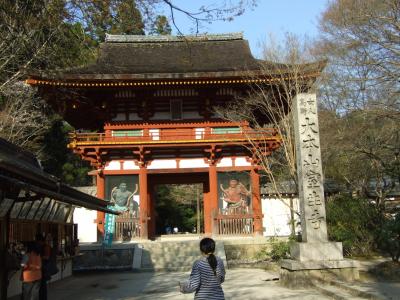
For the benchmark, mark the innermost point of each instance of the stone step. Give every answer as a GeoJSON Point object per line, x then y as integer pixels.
{"type": "Point", "coordinates": [160, 263]}
{"type": "Point", "coordinates": [335, 292]}
{"type": "Point", "coordinates": [165, 245]}
{"type": "Point", "coordinates": [172, 250]}
{"type": "Point", "coordinates": [166, 269]}
{"type": "Point", "coordinates": [173, 256]}
{"type": "Point", "coordinates": [354, 289]}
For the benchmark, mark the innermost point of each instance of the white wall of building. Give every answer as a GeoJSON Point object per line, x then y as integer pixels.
{"type": "Point", "coordinates": [87, 227]}
{"type": "Point", "coordinates": [162, 164]}
{"type": "Point", "coordinates": [276, 221]}
{"type": "Point", "coordinates": [113, 165]}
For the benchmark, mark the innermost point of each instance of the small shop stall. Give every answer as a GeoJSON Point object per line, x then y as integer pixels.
{"type": "Point", "coordinates": [34, 203]}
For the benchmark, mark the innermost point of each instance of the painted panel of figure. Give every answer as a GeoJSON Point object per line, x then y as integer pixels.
{"type": "Point", "coordinates": [234, 192]}
{"type": "Point", "coordinates": [123, 192]}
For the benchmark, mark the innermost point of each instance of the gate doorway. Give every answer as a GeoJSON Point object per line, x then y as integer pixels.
{"type": "Point", "coordinates": [179, 208]}
{"type": "Point", "coordinates": [177, 201]}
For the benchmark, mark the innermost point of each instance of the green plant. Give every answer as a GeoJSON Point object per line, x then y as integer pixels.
{"type": "Point", "coordinates": [275, 250]}
{"type": "Point", "coordinates": [355, 222]}
{"type": "Point", "coordinates": [279, 249]}
{"type": "Point", "coordinates": [389, 238]}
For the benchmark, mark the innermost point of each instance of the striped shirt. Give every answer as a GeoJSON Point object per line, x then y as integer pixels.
{"type": "Point", "coordinates": [203, 281]}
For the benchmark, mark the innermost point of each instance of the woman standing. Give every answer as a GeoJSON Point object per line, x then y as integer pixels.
{"type": "Point", "coordinates": [31, 273]}
{"type": "Point", "coordinates": [208, 273]}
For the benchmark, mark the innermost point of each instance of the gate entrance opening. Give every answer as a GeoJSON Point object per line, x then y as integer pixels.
{"type": "Point", "coordinates": [177, 201]}
{"type": "Point", "coordinates": [179, 208]}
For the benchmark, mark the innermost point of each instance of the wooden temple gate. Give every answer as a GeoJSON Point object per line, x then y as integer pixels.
{"type": "Point", "coordinates": [160, 118]}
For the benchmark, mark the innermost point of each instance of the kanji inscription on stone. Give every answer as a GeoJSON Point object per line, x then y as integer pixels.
{"type": "Point", "coordinates": [309, 168]}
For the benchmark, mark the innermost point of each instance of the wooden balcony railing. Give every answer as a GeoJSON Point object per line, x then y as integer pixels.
{"type": "Point", "coordinates": [181, 134]}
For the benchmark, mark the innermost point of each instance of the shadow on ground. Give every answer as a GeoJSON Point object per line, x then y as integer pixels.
{"type": "Point", "coordinates": [240, 284]}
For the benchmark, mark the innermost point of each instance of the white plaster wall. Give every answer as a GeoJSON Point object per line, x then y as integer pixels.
{"type": "Point", "coordinates": [113, 165]}
{"type": "Point", "coordinates": [162, 164]}
{"type": "Point", "coordinates": [130, 165]}
{"type": "Point", "coordinates": [242, 162]}
{"type": "Point", "coordinates": [199, 133]}
{"type": "Point", "coordinates": [225, 162]}
{"type": "Point", "coordinates": [155, 134]}
{"type": "Point", "coordinates": [276, 221]}
{"type": "Point", "coordinates": [193, 163]}
{"type": "Point", "coordinates": [87, 228]}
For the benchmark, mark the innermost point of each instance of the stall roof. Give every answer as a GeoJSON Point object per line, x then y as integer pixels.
{"type": "Point", "coordinates": [21, 169]}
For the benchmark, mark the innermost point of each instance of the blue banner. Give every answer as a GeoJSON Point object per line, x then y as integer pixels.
{"type": "Point", "coordinates": [109, 227]}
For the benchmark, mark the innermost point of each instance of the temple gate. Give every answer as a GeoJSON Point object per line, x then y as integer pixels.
{"type": "Point", "coordinates": [145, 109]}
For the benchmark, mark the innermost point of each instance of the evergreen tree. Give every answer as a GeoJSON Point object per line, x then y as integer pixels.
{"type": "Point", "coordinates": [128, 19]}
{"type": "Point", "coordinates": [161, 26]}
{"type": "Point", "coordinates": [108, 16]}
{"type": "Point", "coordinates": [60, 161]}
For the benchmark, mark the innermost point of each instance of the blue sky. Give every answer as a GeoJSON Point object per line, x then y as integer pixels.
{"type": "Point", "coordinates": [275, 17]}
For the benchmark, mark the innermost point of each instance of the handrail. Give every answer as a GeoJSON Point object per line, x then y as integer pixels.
{"type": "Point", "coordinates": [173, 134]}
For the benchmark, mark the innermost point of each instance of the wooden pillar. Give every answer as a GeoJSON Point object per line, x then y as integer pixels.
{"type": "Point", "coordinates": [152, 212]}
{"type": "Point", "coordinates": [144, 203]}
{"type": "Point", "coordinates": [4, 231]}
{"type": "Point", "coordinates": [256, 201]}
{"type": "Point", "coordinates": [100, 215]}
{"type": "Point", "coordinates": [211, 201]}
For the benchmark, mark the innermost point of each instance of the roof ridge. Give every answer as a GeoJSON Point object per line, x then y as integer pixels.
{"type": "Point", "coordinates": [119, 38]}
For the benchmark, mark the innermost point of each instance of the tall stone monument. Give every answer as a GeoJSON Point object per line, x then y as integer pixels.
{"type": "Point", "coordinates": [315, 255]}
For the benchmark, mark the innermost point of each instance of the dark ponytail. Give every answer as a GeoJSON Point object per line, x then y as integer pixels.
{"type": "Point", "coordinates": [212, 260]}
{"type": "Point", "coordinates": [207, 246]}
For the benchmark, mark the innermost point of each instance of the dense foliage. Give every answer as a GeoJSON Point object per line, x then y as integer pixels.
{"type": "Point", "coordinates": [356, 223]}
{"type": "Point", "coordinates": [60, 160]}
{"type": "Point", "coordinates": [389, 238]}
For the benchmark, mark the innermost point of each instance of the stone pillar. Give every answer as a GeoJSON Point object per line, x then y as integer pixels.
{"type": "Point", "coordinates": [256, 201]}
{"type": "Point", "coordinates": [315, 252]}
{"type": "Point", "coordinates": [211, 202]}
{"type": "Point", "coordinates": [100, 215]}
{"type": "Point", "coordinates": [144, 205]}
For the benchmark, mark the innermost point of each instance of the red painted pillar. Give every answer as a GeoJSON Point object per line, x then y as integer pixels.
{"type": "Point", "coordinates": [256, 201]}
{"type": "Point", "coordinates": [211, 201]}
{"type": "Point", "coordinates": [152, 212]}
{"type": "Point", "coordinates": [144, 203]}
{"type": "Point", "coordinates": [100, 215]}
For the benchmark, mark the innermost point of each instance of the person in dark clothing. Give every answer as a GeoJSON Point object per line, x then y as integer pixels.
{"type": "Point", "coordinates": [208, 273]}
{"type": "Point", "coordinates": [45, 252]}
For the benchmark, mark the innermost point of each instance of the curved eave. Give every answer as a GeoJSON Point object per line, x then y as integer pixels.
{"type": "Point", "coordinates": [108, 81]}
{"type": "Point", "coordinates": [266, 72]}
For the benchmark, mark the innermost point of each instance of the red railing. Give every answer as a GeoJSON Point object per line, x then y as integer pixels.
{"type": "Point", "coordinates": [180, 134]}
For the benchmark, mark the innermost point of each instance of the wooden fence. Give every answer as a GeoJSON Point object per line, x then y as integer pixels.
{"type": "Point", "coordinates": [127, 228]}
{"type": "Point", "coordinates": [234, 224]}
